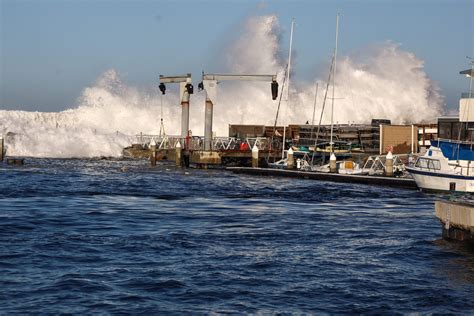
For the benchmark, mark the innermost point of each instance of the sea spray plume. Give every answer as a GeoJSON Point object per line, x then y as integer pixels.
{"type": "Point", "coordinates": [387, 82]}
{"type": "Point", "coordinates": [384, 81]}
{"type": "Point", "coordinates": [108, 115]}
{"type": "Point", "coordinates": [110, 105]}
{"type": "Point", "coordinates": [256, 50]}
{"type": "Point", "coordinates": [258, 47]}
{"type": "Point", "coordinates": [56, 135]}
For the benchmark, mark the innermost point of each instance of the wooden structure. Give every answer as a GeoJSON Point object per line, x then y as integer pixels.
{"type": "Point", "coordinates": [398, 139]}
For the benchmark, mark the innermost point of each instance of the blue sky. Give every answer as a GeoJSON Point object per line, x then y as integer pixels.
{"type": "Point", "coordinates": [51, 50]}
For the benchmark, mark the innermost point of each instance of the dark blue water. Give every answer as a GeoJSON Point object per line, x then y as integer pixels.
{"type": "Point", "coordinates": [85, 236]}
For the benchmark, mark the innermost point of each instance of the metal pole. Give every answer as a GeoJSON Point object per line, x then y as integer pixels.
{"type": "Point", "coordinates": [283, 145]}
{"type": "Point", "coordinates": [334, 83]}
{"type": "Point", "coordinates": [287, 88]}
{"type": "Point", "coordinates": [289, 61]}
{"type": "Point", "coordinates": [314, 111]}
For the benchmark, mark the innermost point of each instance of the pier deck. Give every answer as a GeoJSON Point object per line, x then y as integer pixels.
{"type": "Point", "coordinates": [405, 183]}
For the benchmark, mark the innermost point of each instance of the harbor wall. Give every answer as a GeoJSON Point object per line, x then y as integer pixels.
{"type": "Point", "coordinates": [457, 220]}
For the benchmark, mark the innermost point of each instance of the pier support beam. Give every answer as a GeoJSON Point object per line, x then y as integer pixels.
{"type": "Point", "coordinates": [211, 92]}
{"type": "Point", "coordinates": [389, 165]}
{"type": "Point", "coordinates": [208, 125]}
{"type": "Point", "coordinates": [290, 162]}
{"type": "Point", "coordinates": [184, 109]}
{"type": "Point", "coordinates": [255, 156]}
{"type": "Point", "coordinates": [186, 158]}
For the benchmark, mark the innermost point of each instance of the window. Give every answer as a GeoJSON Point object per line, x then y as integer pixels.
{"type": "Point", "coordinates": [430, 164]}
{"type": "Point", "coordinates": [444, 130]}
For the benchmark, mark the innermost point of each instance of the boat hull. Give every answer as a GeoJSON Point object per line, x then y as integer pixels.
{"type": "Point", "coordinates": [437, 181]}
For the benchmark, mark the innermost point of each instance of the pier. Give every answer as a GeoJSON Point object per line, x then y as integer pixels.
{"type": "Point", "coordinates": [404, 183]}
{"type": "Point", "coordinates": [457, 219]}
{"type": "Point", "coordinates": [224, 150]}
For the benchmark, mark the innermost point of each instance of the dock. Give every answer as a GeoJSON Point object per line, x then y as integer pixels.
{"type": "Point", "coordinates": [403, 183]}
{"type": "Point", "coordinates": [457, 219]}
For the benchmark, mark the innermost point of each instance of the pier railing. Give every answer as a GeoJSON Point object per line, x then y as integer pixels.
{"type": "Point", "coordinates": [197, 142]}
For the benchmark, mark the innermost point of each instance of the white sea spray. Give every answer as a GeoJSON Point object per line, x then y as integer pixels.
{"type": "Point", "coordinates": [383, 82]}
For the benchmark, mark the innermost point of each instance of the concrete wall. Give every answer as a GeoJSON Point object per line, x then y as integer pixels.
{"type": "Point", "coordinates": [458, 215]}
{"type": "Point", "coordinates": [244, 131]}
{"type": "Point", "coordinates": [399, 138]}
{"type": "Point", "coordinates": [466, 110]}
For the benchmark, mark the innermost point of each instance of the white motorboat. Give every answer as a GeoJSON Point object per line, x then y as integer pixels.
{"type": "Point", "coordinates": [445, 167]}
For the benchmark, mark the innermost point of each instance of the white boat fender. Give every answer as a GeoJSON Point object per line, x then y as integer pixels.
{"type": "Point", "coordinates": [298, 163]}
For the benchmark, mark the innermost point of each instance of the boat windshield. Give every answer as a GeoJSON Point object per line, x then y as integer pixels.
{"type": "Point", "coordinates": [427, 163]}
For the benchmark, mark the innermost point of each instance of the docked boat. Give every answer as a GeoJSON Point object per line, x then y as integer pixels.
{"type": "Point", "coordinates": [280, 164]}
{"type": "Point", "coordinates": [446, 166]}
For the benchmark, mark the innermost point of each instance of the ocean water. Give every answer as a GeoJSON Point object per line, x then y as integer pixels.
{"type": "Point", "coordinates": [102, 236]}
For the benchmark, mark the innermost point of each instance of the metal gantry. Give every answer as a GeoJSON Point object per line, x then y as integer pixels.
{"type": "Point", "coordinates": [209, 84]}
{"type": "Point", "coordinates": [185, 90]}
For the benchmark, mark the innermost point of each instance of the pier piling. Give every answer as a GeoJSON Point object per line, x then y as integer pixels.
{"type": "Point", "coordinates": [178, 154]}
{"type": "Point", "coordinates": [290, 163]}
{"type": "Point", "coordinates": [389, 164]}
{"type": "Point", "coordinates": [15, 161]}
{"type": "Point", "coordinates": [332, 163]}
{"type": "Point", "coordinates": [255, 156]}
{"type": "Point", "coordinates": [153, 152]}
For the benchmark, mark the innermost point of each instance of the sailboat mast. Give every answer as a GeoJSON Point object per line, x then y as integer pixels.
{"type": "Point", "coordinates": [334, 84]}
{"type": "Point", "coordinates": [289, 62]}
{"type": "Point", "coordinates": [287, 86]}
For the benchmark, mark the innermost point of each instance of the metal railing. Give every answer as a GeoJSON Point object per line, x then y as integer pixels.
{"type": "Point", "coordinates": [197, 142]}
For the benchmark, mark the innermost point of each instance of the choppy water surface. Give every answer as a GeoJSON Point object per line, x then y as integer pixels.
{"type": "Point", "coordinates": [85, 236]}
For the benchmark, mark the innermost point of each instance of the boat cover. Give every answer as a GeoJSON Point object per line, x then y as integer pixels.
{"type": "Point", "coordinates": [456, 151]}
